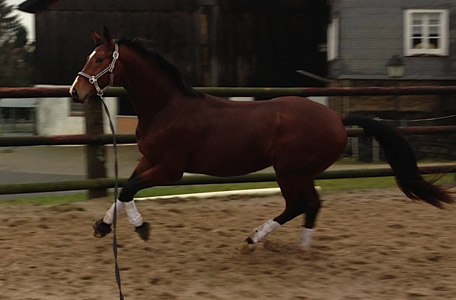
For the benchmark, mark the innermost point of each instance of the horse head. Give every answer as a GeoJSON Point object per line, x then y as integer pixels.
{"type": "Point", "coordinates": [98, 72]}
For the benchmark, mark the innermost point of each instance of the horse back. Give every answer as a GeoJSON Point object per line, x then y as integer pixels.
{"type": "Point", "coordinates": [234, 138]}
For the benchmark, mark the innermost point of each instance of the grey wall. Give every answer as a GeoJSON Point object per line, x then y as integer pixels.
{"type": "Point", "coordinates": [371, 31]}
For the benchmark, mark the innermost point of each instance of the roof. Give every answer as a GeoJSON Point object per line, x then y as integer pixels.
{"type": "Point", "coordinates": [32, 6]}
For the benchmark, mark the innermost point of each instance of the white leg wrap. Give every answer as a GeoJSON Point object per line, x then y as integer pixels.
{"type": "Point", "coordinates": [133, 215]}
{"type": "Point", "coordinates": [108, 217]}
{"type": "Point", "coordinates": [307, 234]}
{"type": "Point", "coordinates": [263, 230]}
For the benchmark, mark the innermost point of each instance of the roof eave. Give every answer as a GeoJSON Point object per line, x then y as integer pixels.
{"type": "Point", "coordinates": [32, 6]}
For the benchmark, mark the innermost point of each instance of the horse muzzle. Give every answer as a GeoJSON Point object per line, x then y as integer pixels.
{"type": "Point", "coordinates": [75, 96]}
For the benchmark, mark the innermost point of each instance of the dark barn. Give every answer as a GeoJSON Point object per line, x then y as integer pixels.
{"type": "Point", "coordinates": [215, 43]}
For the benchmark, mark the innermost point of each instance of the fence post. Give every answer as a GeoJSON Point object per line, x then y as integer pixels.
{"type": "Point", "coordinates": [95, 154]}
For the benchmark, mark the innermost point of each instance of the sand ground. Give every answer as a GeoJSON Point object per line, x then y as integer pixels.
{"type": "Point", "coordinates": [369, 244]}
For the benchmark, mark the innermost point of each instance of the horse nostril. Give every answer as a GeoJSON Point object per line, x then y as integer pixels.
{"type": "Point", "coordinates": [75, 95]}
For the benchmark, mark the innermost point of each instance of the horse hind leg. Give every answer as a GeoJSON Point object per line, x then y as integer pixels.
{"type": "Point", "coordinates": [312, 207]}
{"type": "Point", "coordinates": [295, 194]}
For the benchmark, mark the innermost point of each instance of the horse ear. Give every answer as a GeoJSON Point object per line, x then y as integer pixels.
{"type": "Point", "coordinates": [96, 37]}
{"type": "Point", "coordinates": [106, 35]}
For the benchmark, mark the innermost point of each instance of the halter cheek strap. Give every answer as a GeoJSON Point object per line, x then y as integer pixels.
{"type": "Point", "coordinates": [93, 79]}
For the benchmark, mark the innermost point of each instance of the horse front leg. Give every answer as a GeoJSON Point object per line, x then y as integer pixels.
{"type": "Point", "coordinates": [102, 227]}
{"type": "Point", "coordinates": [135, 218]}
{"type": "Point", "coordinates": [145, 176]}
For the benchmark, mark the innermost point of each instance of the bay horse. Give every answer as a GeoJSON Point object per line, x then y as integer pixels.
{"type": "Point", "coordinates": [182, 130]}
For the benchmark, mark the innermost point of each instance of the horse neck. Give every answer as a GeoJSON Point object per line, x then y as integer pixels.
{"type": "Point", "coordinates": [150, 88]}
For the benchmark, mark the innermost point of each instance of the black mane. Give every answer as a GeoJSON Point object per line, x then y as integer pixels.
{"type": "Point", "coordinates": [143, 47]}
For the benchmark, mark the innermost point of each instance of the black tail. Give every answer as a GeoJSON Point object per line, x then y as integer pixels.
{"type": "Point", "coordinates": [401, 157]}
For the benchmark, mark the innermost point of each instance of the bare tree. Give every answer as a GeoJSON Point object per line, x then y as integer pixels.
{"type": "Point", "coordinates": [16, 54]}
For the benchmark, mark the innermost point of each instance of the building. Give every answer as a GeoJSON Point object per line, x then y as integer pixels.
{"type": "Point", "coordinates": [392, 43]}
{"type": "Point", "coordinates": [213, 42]}
{"type": "Point", "coordinates": [396, 43]}
{"type": "Point", "coordinates": [17, 116]}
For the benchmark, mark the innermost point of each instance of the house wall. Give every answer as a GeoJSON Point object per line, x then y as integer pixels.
{"type": "Point", "coordinates": [54, 117]}
{"type": "Point", "coordinates": [372, 31]}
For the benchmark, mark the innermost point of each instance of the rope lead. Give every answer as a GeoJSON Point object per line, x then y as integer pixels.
{"type": "Point", "coordinates": [116, 194]}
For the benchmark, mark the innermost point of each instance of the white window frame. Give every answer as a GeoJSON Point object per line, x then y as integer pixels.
{"type": "Point", "coordinates": [332, 37]}
{"type": "Point", "coordinates": [443, 33]}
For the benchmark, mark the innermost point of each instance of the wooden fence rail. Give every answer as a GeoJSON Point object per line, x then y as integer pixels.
{"type": "Point", "coordinates": [104, 139]}
{"type": "Point", "coordinates": [105, 183]}
{"type": "Point", "coordinates": [98, 182]}
{"type": "Point", "coordinates": [59, 92]}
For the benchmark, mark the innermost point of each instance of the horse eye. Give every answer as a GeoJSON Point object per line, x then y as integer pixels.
{"type": "Point", "coordinates": [99, 60]}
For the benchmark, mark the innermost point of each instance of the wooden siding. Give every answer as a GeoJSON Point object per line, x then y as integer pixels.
{"type": "Point", "coordinates": [267, 47]}
{"type": "Point", "coordinates": [63, 39]}
{"type": "Point", "coordinates": [425, 106]}
{"type": "Point", "coordinates": [112, 5]}
{"type": "Point", "coordinates": [226, 42]}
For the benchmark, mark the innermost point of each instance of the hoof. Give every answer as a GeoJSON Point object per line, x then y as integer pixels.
{"type": "Point", "coordinates": [143, 231]}
{"type": "Point", "coordinates": [247, 248]}
{"type": "Point", "coordinates": [101, 229]}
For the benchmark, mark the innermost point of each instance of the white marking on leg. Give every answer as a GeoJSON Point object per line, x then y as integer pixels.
{"type": "Point", "coordinates": [133, 215]}
{"type": "Point", "coordinates": [108, 217]}
{"type": "Point", "coordinates": [263, 230]}
{"type": "Point", "coordinates": [307, 234]}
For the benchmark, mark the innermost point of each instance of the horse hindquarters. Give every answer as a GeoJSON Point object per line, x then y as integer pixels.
{"type": "Point", "coordinates": [309, 138]}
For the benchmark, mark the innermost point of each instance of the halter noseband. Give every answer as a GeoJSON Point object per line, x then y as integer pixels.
{"type": "Point", "coordinates": [93, 79]}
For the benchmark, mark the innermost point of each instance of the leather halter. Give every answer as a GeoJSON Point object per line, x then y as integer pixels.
{"type": "Point", "coordinates": [93, 79]}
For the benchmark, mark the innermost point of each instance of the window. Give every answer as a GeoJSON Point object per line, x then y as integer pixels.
{"type": "Point", "coordinates": [426, 32]}
{"type": "Point", "coordinates": [76, 109]}
{"type": "Point", "coordinates": [333, 39]}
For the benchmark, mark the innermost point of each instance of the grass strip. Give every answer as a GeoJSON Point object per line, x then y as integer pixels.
{"type": "Point", "coordinates": [328, 186]}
